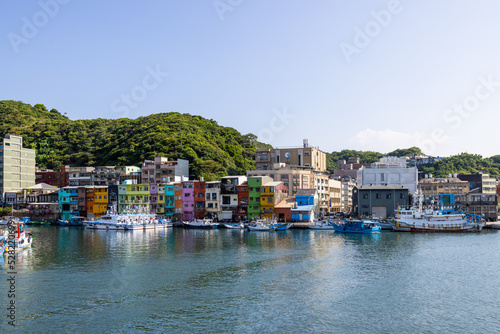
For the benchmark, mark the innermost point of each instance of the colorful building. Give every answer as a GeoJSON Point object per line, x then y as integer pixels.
{"type": "Point", "coordinates": [254, 184]}
{"type": "Point", "coordinates": [187, 200]}
{"type": "Point", "coordinates": [153, 193]}
{"type": "Point", "coordinates": [306, 208]}
{"type": "Point", "coordinates": [100, 201]}
{"type": "Point", "coordinates": [199, 199]}
{"type": "Point", "coordinates": [170, 201]}
{"type": "Point", "coordinates": [212, 198]}
{"type": "Point", "coordinates": [160, 208]}
{"type": "Point", "coordinates": [271, 194]}
{"type": "Point", "coordinates": [68, 202]}
{"type": "Point", "coordinates": [133, 196]}
{"type": "Point", "coordinates": [242, 189]}
{"type": "Point", "coordinates": [178, 201]}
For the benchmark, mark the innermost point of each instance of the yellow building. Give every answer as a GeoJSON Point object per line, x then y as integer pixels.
{"type": "Point", "coordinates": [160, 208]}
{"type": "Point", "coordinates": [133, 196]}
{"type": "Point", "coordinates": [271, 194]}
{"type": "Point", "coordinates": [100, 201]}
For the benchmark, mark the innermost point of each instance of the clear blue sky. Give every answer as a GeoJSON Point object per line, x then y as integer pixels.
{"type": "Point", "coordinates": [366, 75]}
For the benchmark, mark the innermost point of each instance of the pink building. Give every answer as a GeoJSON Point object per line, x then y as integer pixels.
{"type": "Point", "coordinates": [187, 200]}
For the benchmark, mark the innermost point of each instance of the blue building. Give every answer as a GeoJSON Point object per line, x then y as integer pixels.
{"type": "Point", "coordinates": [169, 201]}
{"type": "Point", "coordinates": [68, 202]}
{"type": "Point", "coordinates": [307, 205]}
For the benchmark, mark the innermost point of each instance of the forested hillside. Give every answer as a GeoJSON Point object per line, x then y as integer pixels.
{"type": "Point", "coordinates": [213, 150]}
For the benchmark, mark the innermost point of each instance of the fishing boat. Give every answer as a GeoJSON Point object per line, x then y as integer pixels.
{"type": "Point", "coordinates": [356, 226]}
{"type": "Point", "coordinates": [281, 226]}
{"type": "Point", "coordinates": [234, 226]}
{"type": "Point", "coordinates": [321, 225]}
{"type": "Point", "coordinates": [200, 224]}
{"type": "Point", "coordinates": [260, 225]}
{"type": "Point", "coordinates": [106, 222]}
{"type": "Point", "coordinates": [447, 218]}
{"type": "Point", "coordinates": [165, 223]}
{"type": "Point", "coordinates": [3, 245]}
{"type": "Point", "coordinates": [16, 238]}
{"type": "Point", "coordinates": [73, 221]}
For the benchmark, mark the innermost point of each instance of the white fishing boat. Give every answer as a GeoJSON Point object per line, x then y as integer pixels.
{"type": "Point", "coordinates": [16, 238]}
{"type": "Point", "coordinates": [234, 226]}
{"type": "Point", "coordinates": [261, 225]}
{"type": "Point", "coordinates": [321, 225]}
{"type": "Point", "coordinates": [107, 222]}
{"type": "Point", "coordinates": [445, 219]}
{"type": "Point", "coordinates": [200, 224]}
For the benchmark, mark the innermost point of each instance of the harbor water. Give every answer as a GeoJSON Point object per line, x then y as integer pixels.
{"type": "Point", "coordinates": [230, 281]}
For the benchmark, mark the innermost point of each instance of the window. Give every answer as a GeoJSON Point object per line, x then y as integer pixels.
{"type": "Point", "coordinates": [388, 196]}
{"type": "Point", "coordinates": [365, 196]}
{"type": "Point", "coordinates": [401, 195]}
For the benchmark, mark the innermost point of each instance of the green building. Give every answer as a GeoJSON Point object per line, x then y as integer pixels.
{"type": "Point", "coordinates": [254, 185]}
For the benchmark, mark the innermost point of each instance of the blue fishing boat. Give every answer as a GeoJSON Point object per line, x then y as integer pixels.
{"type": "Point", "coordinates": [356, 226]}
{"type": "Point", "coordinates": [281, 226]}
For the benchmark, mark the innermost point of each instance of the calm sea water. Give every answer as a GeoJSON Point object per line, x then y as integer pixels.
{"type": "Point", "coordinates": [224, 281]}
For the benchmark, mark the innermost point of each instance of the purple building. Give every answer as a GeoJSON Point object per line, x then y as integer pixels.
{"type": "Point", "coordinates": [153, 194]}
{"type": "Point", "coordinates": [188, 200]}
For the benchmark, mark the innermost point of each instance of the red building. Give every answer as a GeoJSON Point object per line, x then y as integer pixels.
{"type": "Point", "coordinates": [199, 199]}
{"type": "Point", "coordinates": [58, 179]}
{"type": "Point", "coordinates": [241, 212]}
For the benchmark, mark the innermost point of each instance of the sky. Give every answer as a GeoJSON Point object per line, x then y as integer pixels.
{"type": "Point", "coordinates": [364, 75]}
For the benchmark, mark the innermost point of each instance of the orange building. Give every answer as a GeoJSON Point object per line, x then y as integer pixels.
{"type": "Point", "coordinates": [178, 201]}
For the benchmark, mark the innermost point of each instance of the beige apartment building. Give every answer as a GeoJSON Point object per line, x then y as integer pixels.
{"type": "Point", "coordinates": [452, 185]}
{"type": "Point", "coordinates": [17, 165]}
{"type": "Point", "coordinates": [306, 157]}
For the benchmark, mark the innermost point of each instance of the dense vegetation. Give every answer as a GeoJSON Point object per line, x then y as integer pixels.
{"type": "Point", "coordinates": [213, 150]}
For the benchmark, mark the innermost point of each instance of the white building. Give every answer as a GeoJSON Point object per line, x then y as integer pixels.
{"type": "Point", "coordinates": [389, 171]}
{"type": "Point", "coordinates": [347, 187]}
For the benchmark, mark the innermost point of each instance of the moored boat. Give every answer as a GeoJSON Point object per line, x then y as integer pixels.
{"type": "Point", "coordinates": [447, 218]}
{"type": "Point", "coordinates": [356, 226]}
{"type": "Point", "coordinates": [200, 224]}
{"type": "Point", "coordinates": [321, 225]}
{"type": "Point", "coordinates": [260, 225]}
{"type": "Point", "coordinates": [106, 222]}
{"type": "Point", "coordinates": [16, 238]}
{"type": "Point", "coordinates": [234, 226]}
{"type": "Point", "coordinates": [281, 226]}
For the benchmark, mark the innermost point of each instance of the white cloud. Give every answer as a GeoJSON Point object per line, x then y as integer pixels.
{"type": "Point", "coordinates": [388, 140]}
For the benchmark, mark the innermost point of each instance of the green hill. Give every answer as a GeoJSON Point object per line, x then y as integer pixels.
{"type": "Point", "coordinates": [213, 150]}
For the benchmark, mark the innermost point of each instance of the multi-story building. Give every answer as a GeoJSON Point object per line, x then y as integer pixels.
{"type": "Point", "coordinates": [485, 205]}
{"type": "Point", "coordinates": [254, 184]}
{"type": "Point", "coordinates": [480, 182]}
{"type": "Point", "coordinates": [160, 207]}
{"type": "Point", "coordinates": [80, 176]}
{"type": "Point", "coordinates": [129, 174]}
{"type": "Point", "coordinates": [305, 157]}
{"type": "Point", "coordinates": [389, 171]}
{"type": "Point", "coordinates": [113, 198]}
{"type": "Point", "coordinates": [242, 212]}
{"type": "Point", "coordinates": [58, 179]}
{"type": "Point", "coordinates": [105, 175]}
{"type": "Point", "coordinates": [379, 201]}
{"type": "Point", "coordinates": [170, 201]}
{"type": "Point", "coordinates": [161, 170]}
{"type": "Point", "coordinates": [17, 165]}
{"type": "Point", "coordinates": [100, 205]}
{"type": "Point", "coordinates": [178, 201]}
{"type": "Point", "coordinates": [349, 169]}
{"type": "Point", "coordinates": [435, 186]}
{"type": "Point", "coordinates": [271, 194]}
{"type": "Point", "coordinates": [293, 179]}
{"type": "Point", "coordinates": [187, 200]}
{"type": "Point", "coordinates": [229, 195]}
{"type": "Point", "coordinates": [199, 199]}
{"type": "Point", "coordinates": [153, 197]}
{"type": "Point", "coordinates": [82, 201]}
{"type": "Point", "coordinates": [212, 199]}
{"type": "Point", "coordinates": [68, 202]}
{"type": "Point", "coordinates": [133, 197]}
{"type": "Point", "coordinates": [348, 185]}
{"type": "Point", "coordinates": [335, 190]}
{"type": "Point", "coordinates": [306, 208]}
{"type": "Point", "coordinates": [321, 183]}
